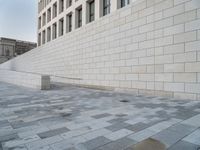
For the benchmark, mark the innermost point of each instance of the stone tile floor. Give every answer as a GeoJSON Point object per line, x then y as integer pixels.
{"type": "Point", "coordinates": [72, 118]}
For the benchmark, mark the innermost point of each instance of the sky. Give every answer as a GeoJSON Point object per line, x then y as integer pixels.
{"type": "Point", "coordinates": [18, 19]}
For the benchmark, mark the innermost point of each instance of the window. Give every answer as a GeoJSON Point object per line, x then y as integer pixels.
{"type": "Point", "coordinates": [44, 19]}
{"type": "Point", "coordinates": [39, 23]}
{"type": "Point", "coordinates": [69, 3]}
{"type": "Point", "coordinates": [91, 11]}
{"type": "Point", "coordinates": [54, 10]}
{"type": "Point", "coordinates": [61, 6]}
{"type": "Point", "coordinates": [106, 7]}
{"type": "Point", "coordinates": [39, 39]}
{"type": "Point", "coordinates": [48, 34]}
{"type": "Point", "coordinates": [43, 37]}
{"type": "Point", "coordinates": [54, 31]}
{"type": "Point", "coordinates": [124, 3]}
{"type": "Point", "coordinates": [69, 22]}
{"type": "Point", "coordinates": [49, 15]}
{"type": "Point", "coordinates": [79, 17]}
{"type": "Point", "coordinates": [7, 52]}
{"type": "Point", "coordinates": [61, 27]}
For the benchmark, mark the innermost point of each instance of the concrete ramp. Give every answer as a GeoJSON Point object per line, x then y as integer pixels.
{"type": "Point", "coordinates": [25, 79]}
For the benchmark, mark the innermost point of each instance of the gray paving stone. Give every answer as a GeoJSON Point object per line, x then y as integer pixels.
{"type": "Point", "coordinates": [118, 134]}
{"type": "Point", "coordinates": [5, 138]}
{"type": "Point", "coordinates": [117, 120]}
{"type": "Point", "coordinates": [89, 114]}
{"type": "Point", "coordinates": [20, 124]}
{"type": "Point", "coordinates": [101, 115]}
{"type": "Point", "coordinates": [173, 134]}
{"type": "Point", "coordinates": [1, 148]}
{"type": "Point", "coordinates": [117, 126]}
{"type": "Point", "coordinates": [53, 132]}
{"type": "Point", "coordinates": [194, 137]}
{"type": "Point", "coordinates": [193, 121]}
{"type": "Point", "coordinates": [4, 123]}
{"type": "Point", "coordinates": [137, 127]}
{"type": "Point", "coordinates": [182, 145]}
{"type": "Point", "coordinates": [118, 145]}
{"type": "Point", "coordinates": [72, 148]}
{"type": "Point", "coordinates": [95, 143]}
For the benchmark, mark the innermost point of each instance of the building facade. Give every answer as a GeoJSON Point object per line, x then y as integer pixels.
{"type": "Point", "coordinates": [59, 17]}
{"type": "Point", "coordinates": [10, 48]}
{"type": "Point", "coordinates": [146, 47]}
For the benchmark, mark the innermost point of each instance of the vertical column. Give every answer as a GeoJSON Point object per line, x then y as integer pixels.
{"type": "Point", "coordinates": [57, 29]}
{"type": "Point", "coordinates": [97, 10]}
{"type": "Point", "coordinates": [65, 24]}
{"type": "Point", "coordinates": [114, 5]}
{"type": "Point", "coordinates": [73, 20]}
{"type": "Point", "coordinates": [84, 13]}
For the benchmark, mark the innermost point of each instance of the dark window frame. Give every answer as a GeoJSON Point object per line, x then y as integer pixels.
{"type": "Point", "coordinates": [106, 7]}
{"type": "Point", "coordinates": [124, 3]}
{"type": "Point", "coordinates": [91, 11]}
{"type": "Point", "coordinates": [80, 14]}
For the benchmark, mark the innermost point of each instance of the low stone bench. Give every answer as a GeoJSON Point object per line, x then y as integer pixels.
{"type": "Point", "coordinates": [25, 79]}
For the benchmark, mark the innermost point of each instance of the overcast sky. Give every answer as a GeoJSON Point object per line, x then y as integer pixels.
{"type": "Point", "coordinates": [18, 19]}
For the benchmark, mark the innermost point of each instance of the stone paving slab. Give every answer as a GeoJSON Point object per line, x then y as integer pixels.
{"type": "Point", "coordinates": [74, 118]}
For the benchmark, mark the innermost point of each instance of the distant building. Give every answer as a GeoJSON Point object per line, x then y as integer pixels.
{"type": "Point", "coordinates": [10, 48]}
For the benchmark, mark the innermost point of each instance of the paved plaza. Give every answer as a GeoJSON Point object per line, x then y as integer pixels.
{"type": "Point", "coordinates": [74, 118]}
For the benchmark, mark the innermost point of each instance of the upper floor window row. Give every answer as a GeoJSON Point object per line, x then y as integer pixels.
{"type": "Point", "coordinates": [105, 8]}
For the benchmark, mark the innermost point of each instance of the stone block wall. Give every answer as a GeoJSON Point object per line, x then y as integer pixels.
{"type": "Point", "coordinates": [37, 81]}
{"type": "Point", "coordinates": [149, 47]}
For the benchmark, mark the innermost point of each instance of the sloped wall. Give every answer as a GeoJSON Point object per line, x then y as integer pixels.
{"type": "Point", "coordinates": [150, 47]}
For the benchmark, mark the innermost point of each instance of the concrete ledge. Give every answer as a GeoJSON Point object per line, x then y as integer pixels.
{"type": "Point", "coordinates": [30, 80]}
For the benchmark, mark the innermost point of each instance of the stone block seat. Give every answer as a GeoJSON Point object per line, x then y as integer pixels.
{"type": "Point", "coordinates": [26, 79]}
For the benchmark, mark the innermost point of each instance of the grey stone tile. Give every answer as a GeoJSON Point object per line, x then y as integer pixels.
{"type": "Point", "coordinates": [173, 134]}
{"type": "Point", "coordinates": [95, 143]}
{"type": "Point", "coordinates": [4, 123]}
{"type": "Point", "coordinates": [117, 126]}
{"type": "Point", "coordinates": [193, 121]}
{"type": "Point", "coordinates": [194, 137]}
{"type": "Point", "coordinates": [53, 132]}
{"type": "Point", "coordinates": [101, 115]}
{"type": "Point", "coordinates": [182, 145]}
{"type": "Point", "coordinates": [72, 148]}
{"type": "Point", "coordinates": [118, 145]}
{"type": "Point", "coordinates": [20, 124]}
{"type": "Point", "coordinates": [9, 137]}
{"type": "Point", "coordinates": [33, 112]}
{"type": "Point", "coordinates": [137, 127]}
{"type": "Point", "coordinates": [117, 120]}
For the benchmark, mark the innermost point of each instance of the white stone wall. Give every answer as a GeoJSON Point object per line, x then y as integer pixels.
{"type": "Point", "coordinates": [25, 79]}
{"type": "Point", "coordinates": [149, 47]}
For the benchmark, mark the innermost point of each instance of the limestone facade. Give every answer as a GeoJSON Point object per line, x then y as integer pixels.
{"type": "Point", "coordinates": [147, 47]}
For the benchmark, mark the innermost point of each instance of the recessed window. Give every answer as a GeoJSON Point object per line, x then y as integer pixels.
{"type": "Point", "coordinates": [79, 17]}
{"type": "Point", "coordinates": [69, 22]}
{"type": "Point", "coordinates": [61, 6]}
{"type": "Point", "coordinates": [39, 39]}
{"type": "Point", "coordinates": [124, 3]}
{"type": "Point", "coordinates": [49, 15]}
{"type": "Point", "coordinates": [54, 10]}
{"type": "Point", "coordinates": [69, 3]}
{"type": "Point", "coordinates": [48, 34]}
{"type": "Point", "coordinates": [44, 19]}
{"type": "Point", "coordinates": [54, 36]}
{"type": "Point", "coordinates": [61, 27]}
{"type": "Point", "coordinates": [91, 10]}
{"type": "Point", "coordinates": [39, 22]}
{"type": "Point", "coordinates": [43, 37]}
{"type": "Point", "coordinates": [106, 7]}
